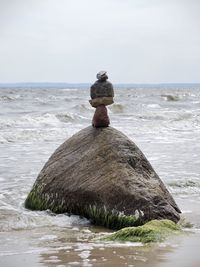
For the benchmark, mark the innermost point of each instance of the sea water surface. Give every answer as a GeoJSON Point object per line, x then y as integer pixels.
{"type": "Point", "coordinates": [163, 122]}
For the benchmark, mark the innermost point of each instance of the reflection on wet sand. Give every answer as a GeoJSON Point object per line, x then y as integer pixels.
{"type": "Point", "coordinates": [85, 252]}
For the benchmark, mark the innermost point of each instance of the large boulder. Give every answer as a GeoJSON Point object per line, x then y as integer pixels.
{"type": "Point", "coordinates": [102, 175]}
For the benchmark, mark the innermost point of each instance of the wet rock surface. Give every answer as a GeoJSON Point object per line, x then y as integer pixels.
{"type": "Point", "coordinates": [100, 174]}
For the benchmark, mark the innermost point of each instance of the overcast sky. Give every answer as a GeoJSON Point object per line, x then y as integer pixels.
{"type": "Point", "coordinates": [136, 41]}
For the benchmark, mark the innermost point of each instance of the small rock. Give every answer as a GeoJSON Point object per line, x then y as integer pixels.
{"type": "Point", "coordinates": [100, 118]}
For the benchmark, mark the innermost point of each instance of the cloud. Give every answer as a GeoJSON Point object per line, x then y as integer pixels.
{"type": "Point", "coordinates": [137, 41]}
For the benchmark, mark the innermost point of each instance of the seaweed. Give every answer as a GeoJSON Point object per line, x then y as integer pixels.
{"type": "Point", "coordinates": [152, 231]}
{"type": "Point", "coordinates": [98, 215]}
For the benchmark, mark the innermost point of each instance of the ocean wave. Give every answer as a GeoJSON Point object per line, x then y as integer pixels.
{"type": "Point", "coordinates": [34, 135]}
{"type": "Point", "coordinates": [40, 127]}
{"type": "Point", "coordinates": [154, 106]}
{"type": "Point", "coordinates": [42, 101]}
{"type": "Point", "coordinates": [71, 117]}
{"type": "Point", "coordinates": [45, 119]}
{"type": "Point", "coordinates": [31, 128]}
{"type": "Point", "coordinates": [3, 139]}
{"type": "Point", "coordinates": [185, 183]}
{"type": "Point", "coordinates": [66, 117]}
{"type": "Point", "coordinates": [6, 98]}
{"type": "Point", "coordinates": [185, 187]}
{"type": "Point", "coordinates": [188, 119]}
{"type": "Point", "coordinates": [52, 99]}
{"type": "Point", "coordinates": [170, 97]}
{"type": "Point", "coordinates": [151, 117]}
{"type": "Point", "coordinates": [70, 90]}
{"type": "Point", "coordinates": [25, 220]}
{"type": "Point", "coordinates": [116, 108]}
{"type": "Point", "coordinates": [83, 108]}
{"type": "Point", "coordinates": [184, 116]}
{"type": "Point", "coordinates": [30, 120]}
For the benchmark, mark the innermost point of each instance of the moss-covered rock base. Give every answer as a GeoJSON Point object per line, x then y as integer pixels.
{"type": "Point", "coordinates": [153, 231]}
{"type": "Point", "coordinates": [101, 216]}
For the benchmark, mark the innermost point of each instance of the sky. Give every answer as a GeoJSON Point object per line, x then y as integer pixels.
{"type": "Point", "coordinates": [136, 41]}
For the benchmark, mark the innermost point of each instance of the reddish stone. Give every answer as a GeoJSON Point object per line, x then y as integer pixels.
{"type": "Point", "coordinates": [100, 118]}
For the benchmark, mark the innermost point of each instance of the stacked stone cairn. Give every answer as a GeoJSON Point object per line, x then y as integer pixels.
{"type": "Point", "coordinates": [100, 174]}
{"type": "Point", "coordinates": [102, 94]}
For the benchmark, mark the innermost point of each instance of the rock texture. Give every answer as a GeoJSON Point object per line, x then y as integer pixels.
{"type": "Point", "coordinates": [101, 101]}
{"type": "Point", "coordinates": [101, 88]}
{"type": "Point", "coordinates": [102, 175]}
{"type": "Point", "coordinates": [100, 118]}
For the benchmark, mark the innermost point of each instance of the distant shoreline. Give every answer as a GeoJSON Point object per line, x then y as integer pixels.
{"type": "Point", "coordinates": [86, 85]}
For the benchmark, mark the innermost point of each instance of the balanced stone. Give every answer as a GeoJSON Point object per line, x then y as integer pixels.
{"type": "Point", "coordinates": [100, 118]}
{"type": "Point", "coordinates": [101, 93]}
{"type": "Point", "coordinates": [101, 101]}
{"type": "Point", "coordinates": [101, 88]}
{"type": "Point", "coordinates": [101, 174]}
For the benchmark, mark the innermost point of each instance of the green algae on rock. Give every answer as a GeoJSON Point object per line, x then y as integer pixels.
{"type": "Point", "coordinates": [98, 216]}
{"type": "Point", "coordinates": [152, 231]}
{"type": "Point", "coordinates": [102, 175]}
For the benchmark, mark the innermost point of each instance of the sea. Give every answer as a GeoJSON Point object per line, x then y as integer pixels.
{"type": "Point", "coordinates": [163, 121]}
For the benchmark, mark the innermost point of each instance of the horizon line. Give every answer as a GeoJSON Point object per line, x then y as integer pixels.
{"type": "Point", "coordinates": [123, 83]}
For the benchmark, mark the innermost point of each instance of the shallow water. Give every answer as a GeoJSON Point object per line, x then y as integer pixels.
{"type": "Point", "coordinates": [164, 123]}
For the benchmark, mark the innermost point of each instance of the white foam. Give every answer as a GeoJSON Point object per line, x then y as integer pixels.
{"type": "Point", "coordinates": [24, 220]}
{"type": "Point", "coordinates": [186, 211]}
{"type": "Point", "coordinates": [85, 254]}
{"type": "Point", "coordinates": [48, 237]}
